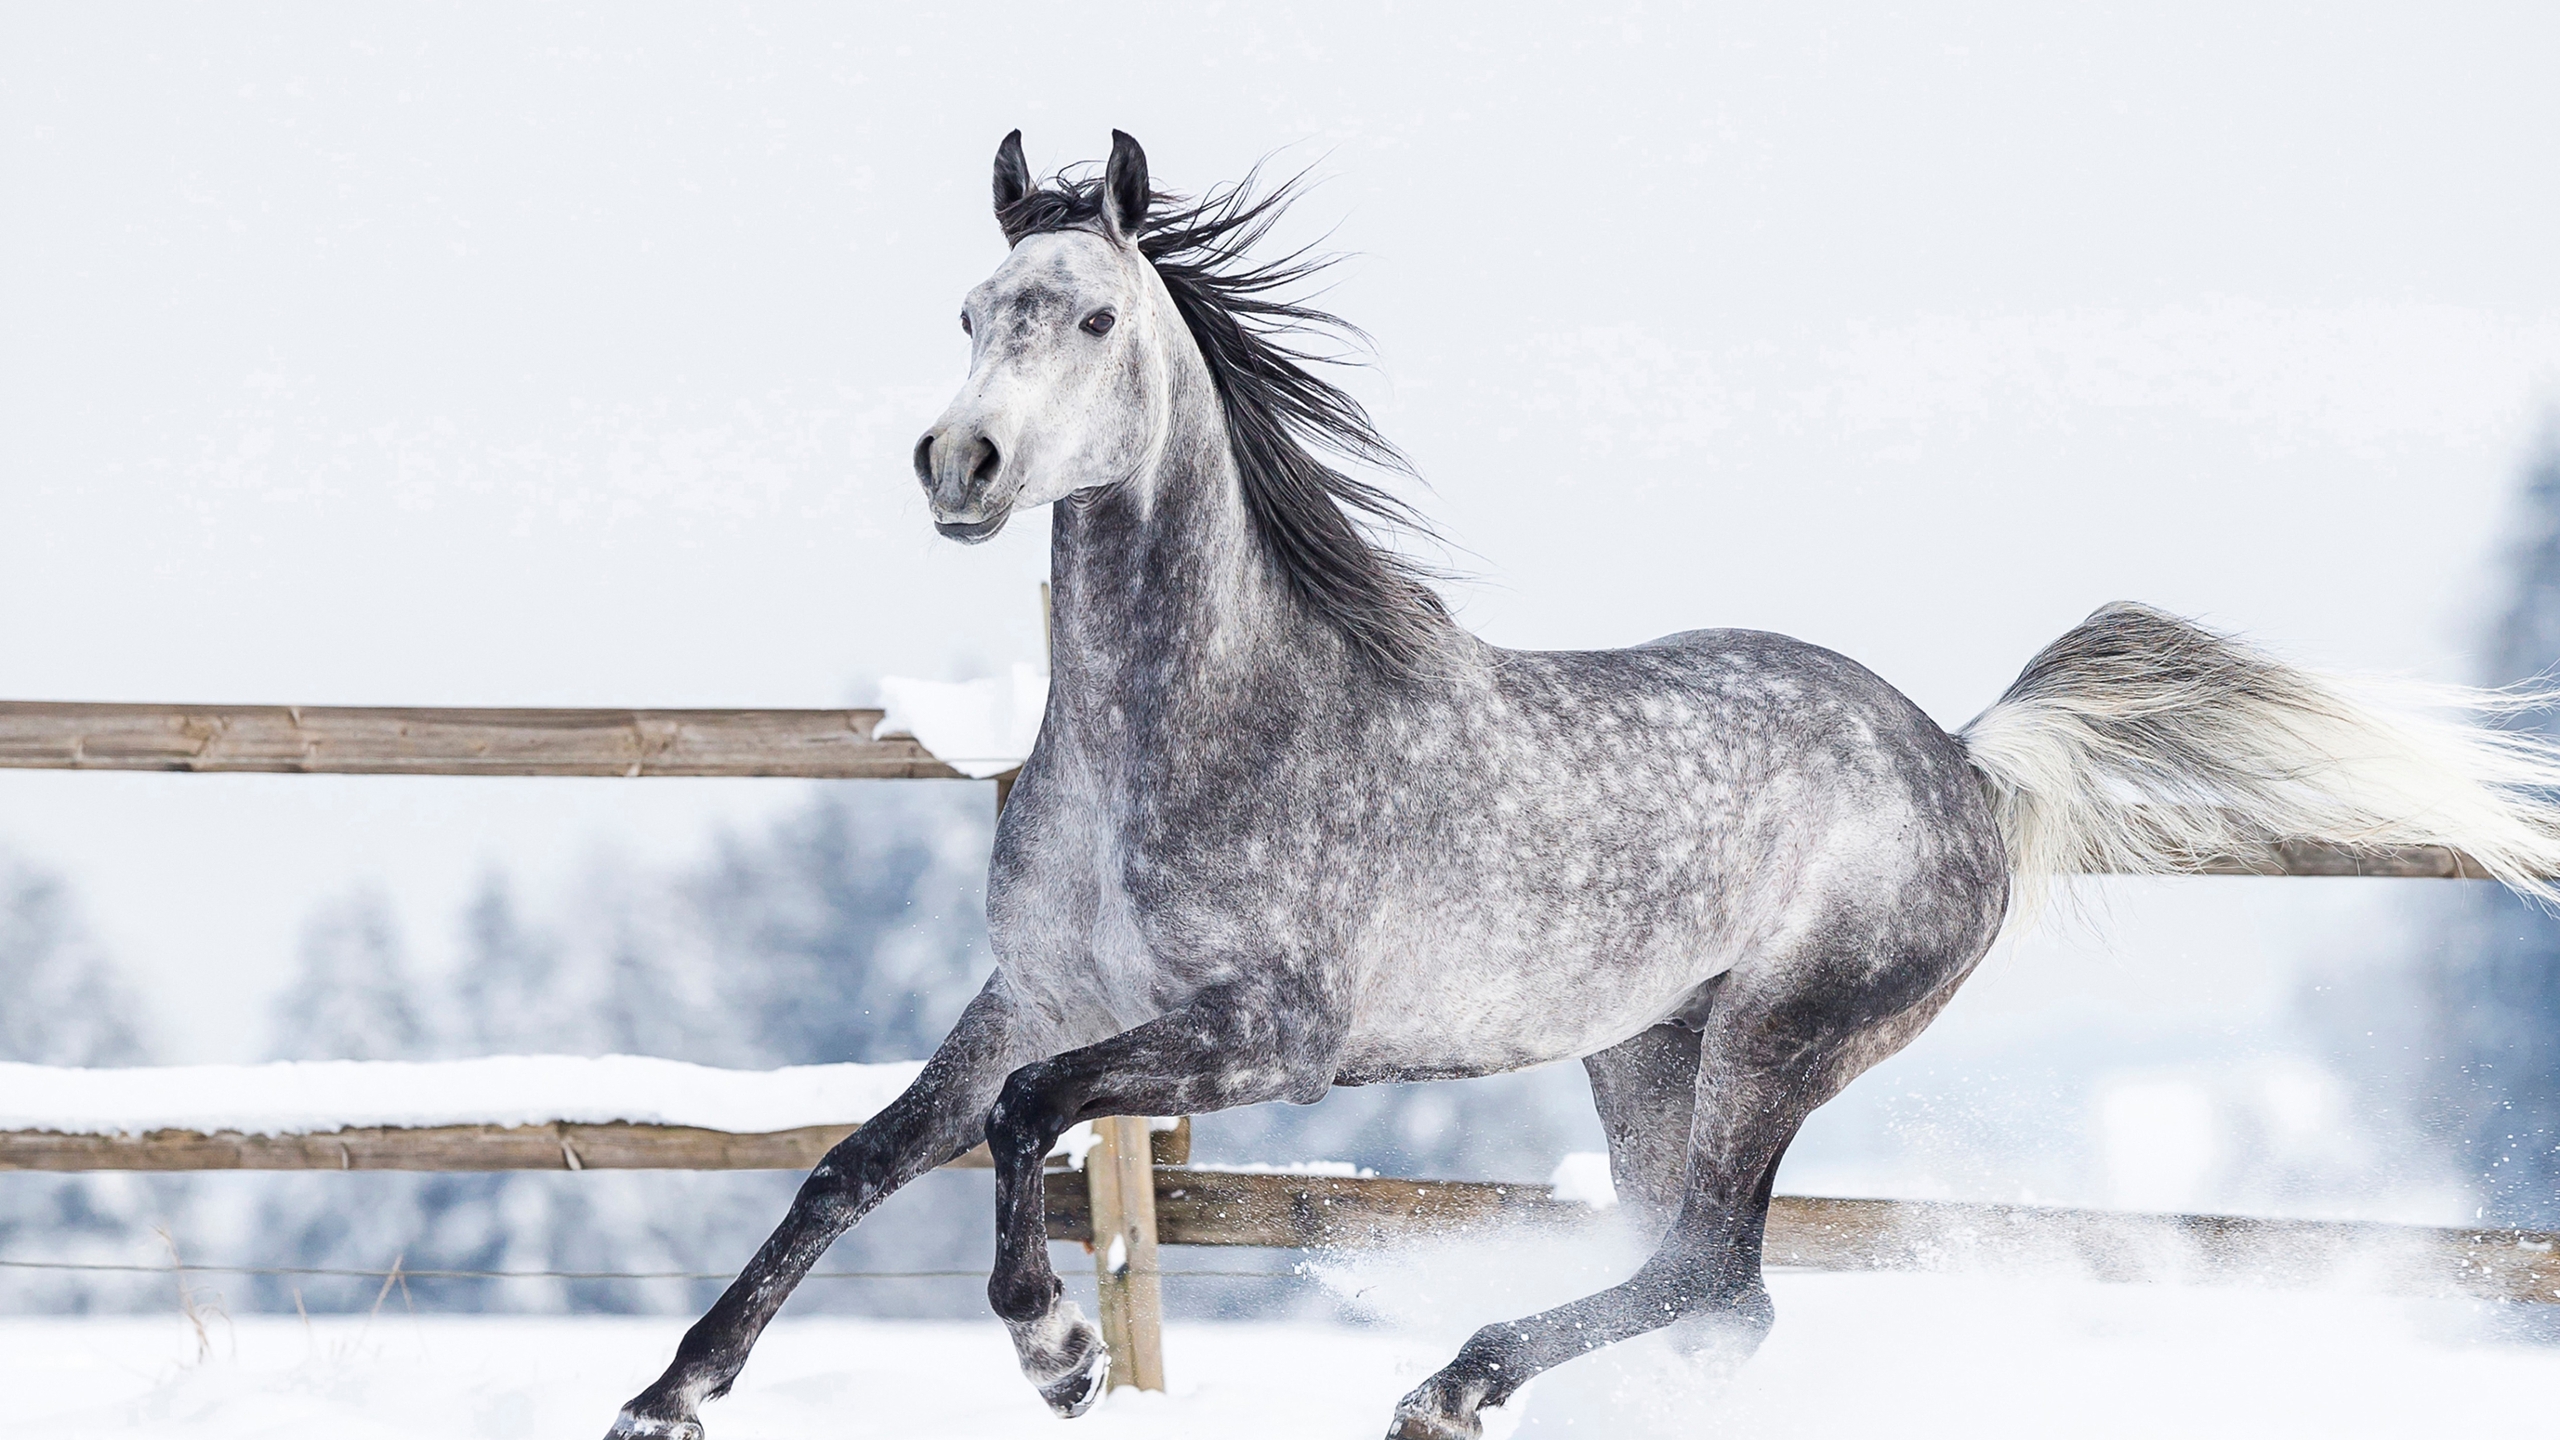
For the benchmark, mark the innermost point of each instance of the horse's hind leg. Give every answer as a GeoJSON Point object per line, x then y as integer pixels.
{"type": "Point", "coordinates": [938, 1118]}
{"type": "Point", "coordinates": [1770, 1051]}
{"type": "Point", "coordinates": [1646, 1090]}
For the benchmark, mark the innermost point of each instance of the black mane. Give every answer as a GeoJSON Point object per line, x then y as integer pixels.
{"type": "Point", "coordinates": [1279, 413]}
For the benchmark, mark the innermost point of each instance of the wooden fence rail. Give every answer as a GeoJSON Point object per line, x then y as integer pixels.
{"type": "Point", "coordinates": [558, 1146]}
{"type": "Point", "coordinates": [807, 744]}
{"type": "Point", "coordinates": [348, 740]}
{"type": "Point", "coordinates": [1203, 1206]}
{"type": "Point", "coordinates": [1212, 1207]}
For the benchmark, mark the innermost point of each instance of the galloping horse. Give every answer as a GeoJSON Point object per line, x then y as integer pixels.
{"type": "Point", "coordinates": [1288, 827]}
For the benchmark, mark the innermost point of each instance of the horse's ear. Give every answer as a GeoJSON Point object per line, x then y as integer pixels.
{"type": "Point", "coordinates": [1124, 186]}
{"type": "Point", "coordinates": [1013, 177]}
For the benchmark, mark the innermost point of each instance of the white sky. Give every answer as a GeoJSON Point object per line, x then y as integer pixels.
{"type": "Point", "coordinates": [571, 356]}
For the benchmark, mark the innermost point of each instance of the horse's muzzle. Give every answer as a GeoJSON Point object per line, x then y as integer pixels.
{"type": "Point", "coordinates": [959, 472]}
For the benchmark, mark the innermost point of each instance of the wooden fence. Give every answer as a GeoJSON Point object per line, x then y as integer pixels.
{"type": "Point", "coordinates": [1187, 1205]}
{"type": "Point", "coordinates": [1136, 1188]}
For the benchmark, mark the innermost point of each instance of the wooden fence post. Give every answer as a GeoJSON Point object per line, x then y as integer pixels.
{"type": "Point", "coordinates": [1120, 1179]}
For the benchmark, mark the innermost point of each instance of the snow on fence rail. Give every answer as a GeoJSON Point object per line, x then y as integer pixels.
{"type": "Point", "coordinates": [513, 1112]}
{"type": "Point", "coordinates": [305, 1097]}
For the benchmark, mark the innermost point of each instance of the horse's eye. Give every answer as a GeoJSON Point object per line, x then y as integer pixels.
{"type": "Point", "coordinates": [964, 324]}
{"type": "Point", "coordinates": [1099, 322]}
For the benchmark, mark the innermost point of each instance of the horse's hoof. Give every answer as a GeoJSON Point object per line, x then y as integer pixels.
{"type": "Point", "coordinates": [630, 1425]}
{"type": "Point", "coordinates": [1063, 1357]}
{"type": "Point", "coordinates": [1440, 1408]}
{"type": "Point", "coordinates": [1087, 1365]}
{"type": "Point", "coordinates": [1416, 1423]}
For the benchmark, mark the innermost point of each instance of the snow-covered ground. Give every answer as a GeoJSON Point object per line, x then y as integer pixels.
{"type": "Point", "coordinates": [1853, 1356]}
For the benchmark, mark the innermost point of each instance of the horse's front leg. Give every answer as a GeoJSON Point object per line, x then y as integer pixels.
{"type": "Point", "coordinates": [1230, 1047]}
{"type": "Point", "coordinates": [937, 1119]}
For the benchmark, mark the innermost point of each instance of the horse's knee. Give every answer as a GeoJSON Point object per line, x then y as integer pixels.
{"type": "Point", "coordinates": [1020, 1121]}
{"type": "Point", "coordinates": [831, 1178]}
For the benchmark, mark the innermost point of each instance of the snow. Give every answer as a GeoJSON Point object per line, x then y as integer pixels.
{"type": "Point", "coordinates": [1335, 1169]}
{"type": "Point", "coordinates": [1584, 1176]}
{"type": "Point", "coordinates": [1853, 1357]}
{"type": "Point", "coordinates": [980, 728]}
{"type": "Point", "coordinates": [315, 1097]}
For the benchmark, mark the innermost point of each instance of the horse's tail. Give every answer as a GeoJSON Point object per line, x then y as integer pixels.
{"type": "Point", "coordinates": [2141, 744]}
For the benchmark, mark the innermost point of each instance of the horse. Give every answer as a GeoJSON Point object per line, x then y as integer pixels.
{"type": "Point", "coordinates": [1287, 826]}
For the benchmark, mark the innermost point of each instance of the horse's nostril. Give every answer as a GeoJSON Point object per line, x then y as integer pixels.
{"type": "Point", "coordinates": [924, 458]}
{"type": "Point", "coordinates": [984, 472]}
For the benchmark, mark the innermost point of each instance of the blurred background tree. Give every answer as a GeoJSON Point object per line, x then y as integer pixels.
{"type": "Point", "coordinates": [2491, 1059]}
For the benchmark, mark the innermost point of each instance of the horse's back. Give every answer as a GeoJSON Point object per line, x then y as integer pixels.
{"type": "Point", "coordinates": [1754, 693]}
{"type": "Point", "coordinates": [1777, 742]}
{"type": "Point", "coordinates": [1635, 822]}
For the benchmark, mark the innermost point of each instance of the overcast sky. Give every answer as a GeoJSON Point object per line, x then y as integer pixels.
{"type": "Point", "coordinates": [571, 355]}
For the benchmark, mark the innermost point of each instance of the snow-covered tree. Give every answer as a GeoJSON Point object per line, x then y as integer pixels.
{"type": "Point", "coordinates": [856, 928]}
{"type": "Point", "coordinates": [62, 1003]}
{"type": "Point", "coordinates": [352, 996]}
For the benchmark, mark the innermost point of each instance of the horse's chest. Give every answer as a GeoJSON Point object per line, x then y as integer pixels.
{"type": "Point", "coordinates": [1082, 924]}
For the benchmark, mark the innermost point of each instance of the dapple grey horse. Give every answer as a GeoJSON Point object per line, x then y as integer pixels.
{"type": "Point", "coordinates": [1287, 827]}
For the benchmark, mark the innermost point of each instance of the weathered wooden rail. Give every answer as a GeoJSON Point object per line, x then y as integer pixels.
{"type": "Point", "coordinates": [353, 740]}
{"type": "Point", "coordinates": [455, 1148]}
{"type": "Point", "coordinates": [1213, 1207]}
{"type": "Point", "coordinates": [1208, 1206]}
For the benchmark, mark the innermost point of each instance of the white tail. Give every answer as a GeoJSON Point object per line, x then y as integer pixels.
{"type": "Point", "coordinates": [2141, 744]}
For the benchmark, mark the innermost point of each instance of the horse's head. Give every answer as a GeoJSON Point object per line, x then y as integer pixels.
{"type": "Point", "coordinates": [1067, 383]}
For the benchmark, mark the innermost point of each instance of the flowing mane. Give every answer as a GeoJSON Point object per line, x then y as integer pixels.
{"type": "Point", "coordinates": [1279, 413]}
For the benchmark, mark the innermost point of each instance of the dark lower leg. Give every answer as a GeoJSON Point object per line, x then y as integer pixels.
{"type": "Point", "coordinates": [1705, 1277]}
{"type": "Point", "coordinates": [1732, 1335]}
{"type": "Point", "coordinates": [936, 1120]}
{"type": "Point", "coordinates": [1216, 1054]}
{"type": "Point", "coordinates": [1708, 1270]}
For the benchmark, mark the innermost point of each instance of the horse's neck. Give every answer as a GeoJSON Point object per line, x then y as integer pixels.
{"type": "Point", "coordinates": [1164, 599]}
